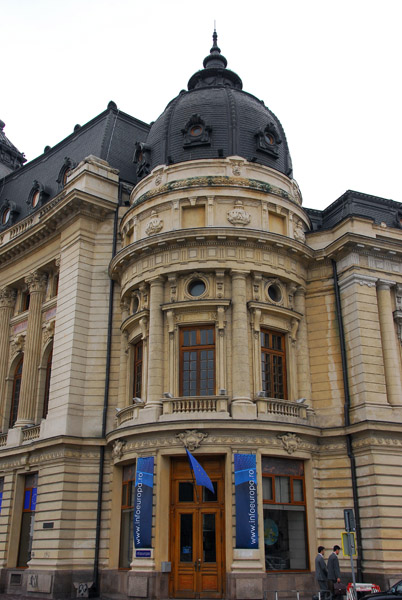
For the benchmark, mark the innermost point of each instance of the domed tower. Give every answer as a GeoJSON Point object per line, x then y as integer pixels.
{"type": "Point", "coordinates": [212, 270]}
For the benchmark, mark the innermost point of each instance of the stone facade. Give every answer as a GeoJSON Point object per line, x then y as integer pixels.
{"type": "Point", "coordinates": [218, 244]}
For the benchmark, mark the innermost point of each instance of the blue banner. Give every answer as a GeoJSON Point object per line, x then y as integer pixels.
{"type": "Point", "coordinates": [246, 501]}
{"type": "Point", "coordinates": [144, 483]}
{"type": "Point", "coordinates": [200, 474]}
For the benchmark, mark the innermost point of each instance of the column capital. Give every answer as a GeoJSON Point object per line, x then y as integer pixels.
{"type": "Point", "coordinates": [385, 284]}
{"type": "Point", "coordinates": [7, 297]}
{"type": "Point", "coordinates": [158, 280]}
{"type": "Point", "coordinates": [36, 281]}
{"type": "Point", "coordinates": [239, 274]}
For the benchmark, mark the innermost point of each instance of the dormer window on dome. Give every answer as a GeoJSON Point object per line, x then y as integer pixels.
{"type": "Point", "coordinates": [65, 171]}
{"type": "Point", "coordinates": [196, 132]}
{"type": "Point", "coordinates": [141, 158]}
{"type": "Point", "coordinates": [37, 195]}
{"type": "Point", "coordinates": [8, 213]}
{"type": "Point", "coordinates": [268, 140]}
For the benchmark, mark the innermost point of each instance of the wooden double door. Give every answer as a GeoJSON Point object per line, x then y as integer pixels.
{"type": "Point", "coordinates": [197, 531]}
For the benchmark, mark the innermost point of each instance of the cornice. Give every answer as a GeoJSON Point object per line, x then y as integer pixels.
{"type": "Point", "coordinates": [360, 243]}
{"type": "Point", "coordinates": [43, 226]}
{"type": "Point", "coordinates": [223, 236]}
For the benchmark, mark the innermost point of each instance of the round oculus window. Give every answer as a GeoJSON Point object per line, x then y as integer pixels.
{"type": "Point", "coordinates": [274, 293]}
{"type": "Point", "coordinates": [196, 130]}
{"type": "Point", "coordinates": [269, 138]}
{"type": "Point", "coordinates": [196, 287]}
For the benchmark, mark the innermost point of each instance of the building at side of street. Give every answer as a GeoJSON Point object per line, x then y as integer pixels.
{"type": "Point", "coordinates": [163, 288]}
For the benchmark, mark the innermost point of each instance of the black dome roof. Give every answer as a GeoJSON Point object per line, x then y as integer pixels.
{"type": "Point", "coordinates": [214, 119]}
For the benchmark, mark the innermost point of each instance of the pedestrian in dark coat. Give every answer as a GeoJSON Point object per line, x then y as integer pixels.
{"type": "Point", "coordinates": [321, 573]}
{"type": "Point", "coordinates": [334, 571]}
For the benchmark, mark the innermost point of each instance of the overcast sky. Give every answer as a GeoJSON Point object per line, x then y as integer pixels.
{"type": "Point", "coordinates": [329, 70]}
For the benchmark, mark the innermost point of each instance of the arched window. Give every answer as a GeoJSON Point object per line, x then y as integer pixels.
{"type": "Point", "coordinates": [47, 384]}
{"type": "Point", "coordinates": [16, 393]}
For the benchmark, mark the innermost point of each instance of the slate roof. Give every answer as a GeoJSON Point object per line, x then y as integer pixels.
{"type": "Point", "coordinates": [357, 204]}
{"type": "Point", "coordinates": [110, 136]}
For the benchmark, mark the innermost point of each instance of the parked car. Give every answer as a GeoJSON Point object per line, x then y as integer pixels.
{"type": "Point", "coordinates": [394, 593]}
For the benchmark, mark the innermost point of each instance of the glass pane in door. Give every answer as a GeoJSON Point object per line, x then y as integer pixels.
{"type": "Point", "coordinates": [186, 538]}
{"type": "Point", "coordinates": [208, 538]}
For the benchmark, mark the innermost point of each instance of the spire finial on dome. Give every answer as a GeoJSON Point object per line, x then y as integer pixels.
{"type": "Point", "coordinates": [215, 58]}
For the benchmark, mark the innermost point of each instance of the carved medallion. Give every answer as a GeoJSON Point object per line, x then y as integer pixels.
{"type": "Point", "coordinates": [290, 442]}
{"type": "Point", "coordinates": [155, 224]}
{"type": "Point", "coordinates": [191, 438]}
{"type": "Point", "coordinates": [238, 216]}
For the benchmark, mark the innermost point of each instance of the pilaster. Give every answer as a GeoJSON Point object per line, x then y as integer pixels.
{"type": "Point", "coordinates": [36, 283]}
{"type": "Point", "coordinates": [242, 407]}
{"type": "Point", "coordinates": [7, 302]}
{"type": "Point", "coordinates": [392, 366]}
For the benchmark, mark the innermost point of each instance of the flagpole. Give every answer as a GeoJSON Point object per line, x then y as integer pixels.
{"type": "Point", "coordinates": [194, 483]}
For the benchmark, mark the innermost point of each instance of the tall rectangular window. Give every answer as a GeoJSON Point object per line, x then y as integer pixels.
{"type": "Point", "coordinates": [1, 492]}
{"type": "Point", "coordinates": [28, 518]}
{"type": "Point", "coordinates": [284, 502]}
{"type": "Point", "coordinates": [137, 370]}
{"type": "Point", "coordinates": [273, 364]}
{"type": "Point", "coordinates": [197, 361]}
{"type": "Point", "coordinates": [127, 512]}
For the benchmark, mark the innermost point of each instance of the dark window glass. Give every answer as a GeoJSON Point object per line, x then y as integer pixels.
{"type": "Point", "coordinates": [47, 384]}
{"type": "Point", "coordinates": [137, 370]}
{"type": "Point", "coordinates": [285, 532]}
{"type": "Point", "coordinates": [15, 399]}
{"type": "Point", "coordinates": [127, 512]}
{"type": "Point", "coordinates": [197, 361]}
{"type": "Point", "coordinates": [1, 491]}
{"type": "Point", "coordinates": [273, 365]}
{"type": "Point", "coordinates": [208, 538]}
{"type": "Point", "coordinates": [27, 521]}
{"type": "Point", "coordinates": [186, 491]}
{"type": "Point", "coordinates": [196, 287]}
{"type": "Point", "coordinates": [207, 495]}
{"type": "Point", "coordinates": [186, 538]}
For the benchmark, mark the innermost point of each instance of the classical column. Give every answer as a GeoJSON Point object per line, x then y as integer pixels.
{"type": "Point", "coordinates": [36, 283]}
{"type": "Point", "coordinates": [390, 350]}
{"type": "Point", "coordinates": [242, 407]}
{"type": "Point", "coordinates": [7, 302]}
{"type": "Point", "coordinates": [303, 359]}
{"type": "Point", "coordinates": [155, 348]}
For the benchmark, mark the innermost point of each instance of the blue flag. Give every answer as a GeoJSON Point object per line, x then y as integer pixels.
{"type": "Point", "coordinates": [201, 476]}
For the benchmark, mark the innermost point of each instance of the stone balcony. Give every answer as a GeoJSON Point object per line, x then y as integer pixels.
{"type": "Point", "coordinates": [215, 407]}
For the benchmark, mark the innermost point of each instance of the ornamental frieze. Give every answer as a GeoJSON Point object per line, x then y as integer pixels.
{"type": "Point", "coordinates": [212, 181]}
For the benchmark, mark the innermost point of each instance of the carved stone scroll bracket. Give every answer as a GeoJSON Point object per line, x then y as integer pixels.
{"type": "Point", "coordinates": [171, 321]}
{"type": "Point", "coordinates": [191, 438]}
{"type": "Point", "coordinates": [220, 283]}
{"type": "Point", "coordinates": [294, 326]}
{"type": "Point", "coordinates": [144, 326]}
{"type": "Point", "coordinates": [290, 441]}
{"type": "Point", "coordinates": [256, 316]}
{"type": "Point", "coordinates": [173, 287]}
{"type": "Point", "coordinates": [48, 331]}
{"type": "Point", "coordinates": [18, 343]}
{"type": "Point", "coordinates": [220, 318]}
{"type": "Point", "coordinates": [257, 281]}
{"type": "Point", "coordinates": [118, 449]}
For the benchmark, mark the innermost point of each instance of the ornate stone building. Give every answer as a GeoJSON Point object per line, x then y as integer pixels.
{"type": "Point", "coordinates": [189, 300]}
